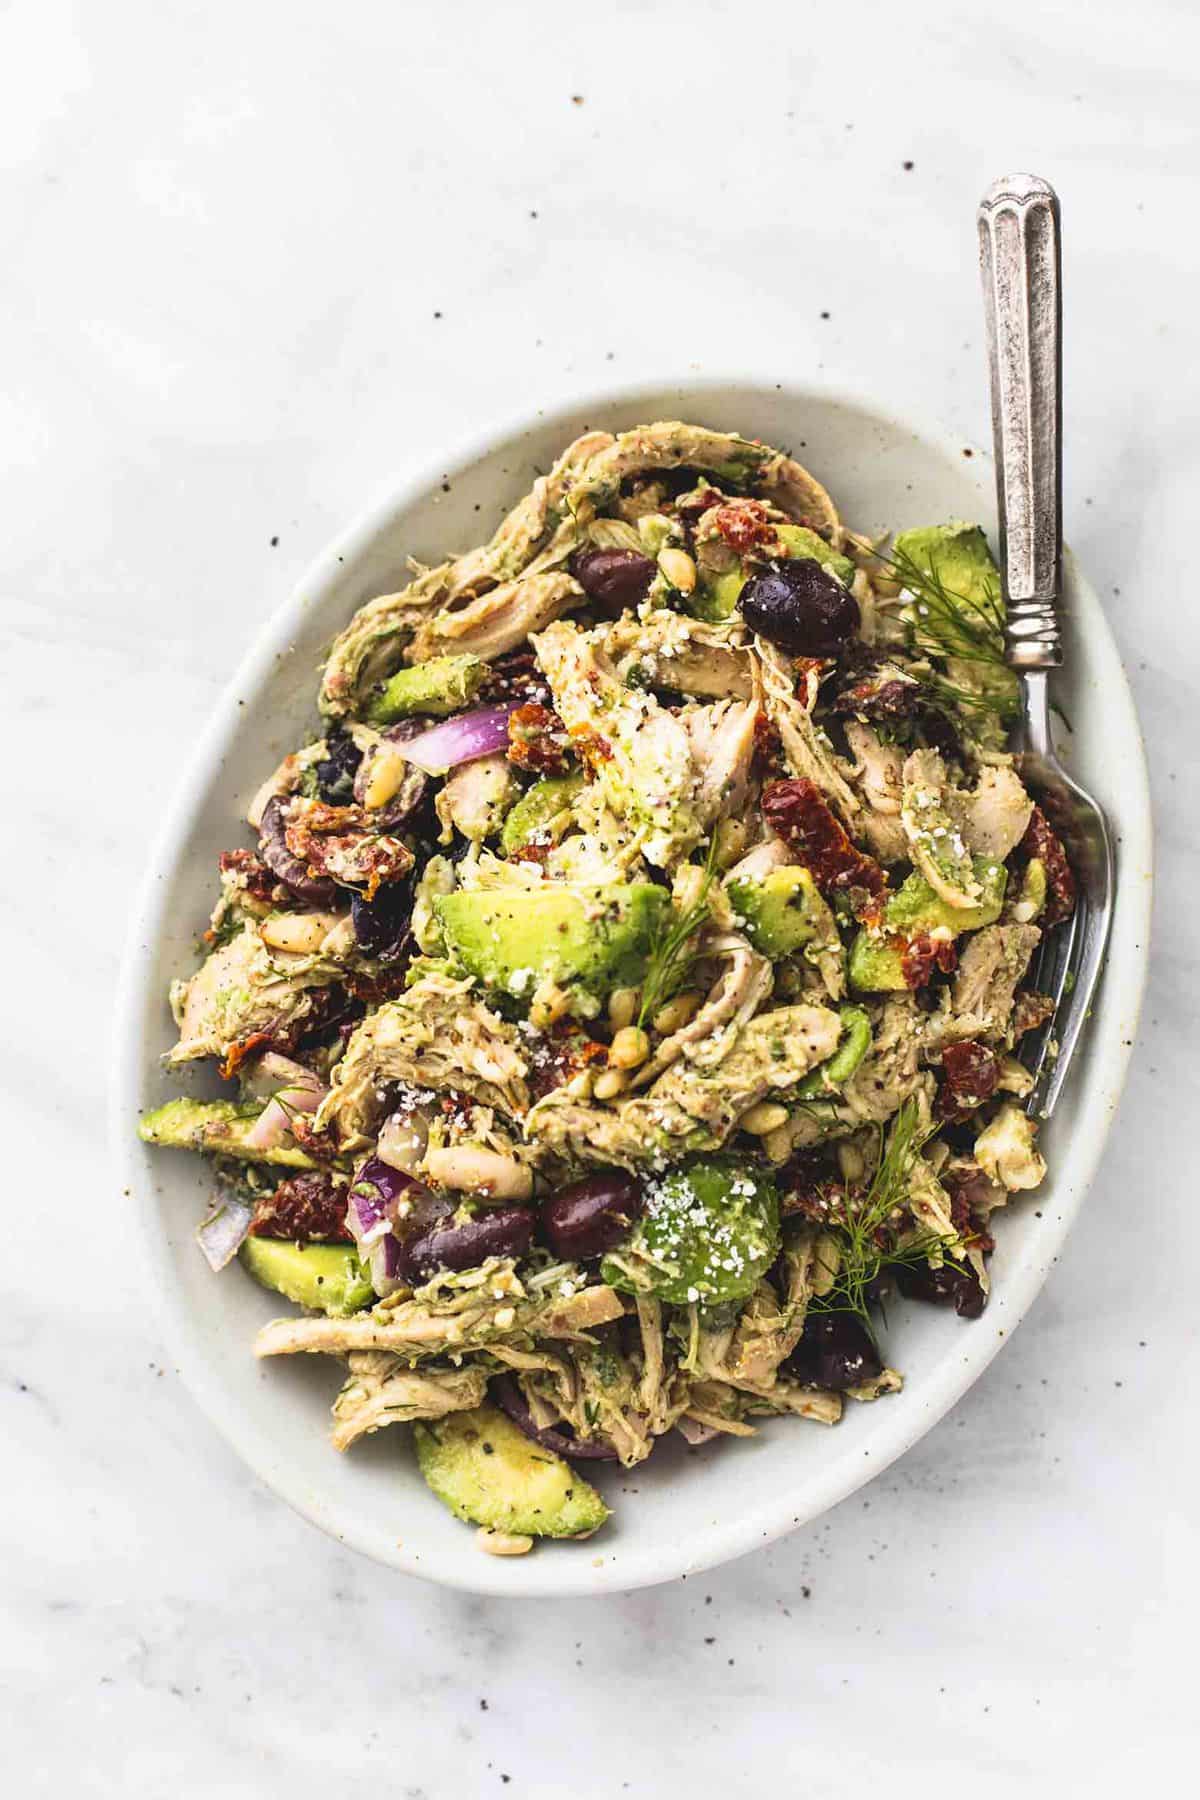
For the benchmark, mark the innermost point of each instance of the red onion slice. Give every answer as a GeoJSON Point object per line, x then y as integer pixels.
{"type": "Point", "coordinates": [462, 739]}
{"type": "Point", "coordinates": [220, 1234]}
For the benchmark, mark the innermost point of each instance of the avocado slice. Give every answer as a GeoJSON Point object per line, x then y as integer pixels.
{"type": "Point", "coordinates": [877, 960]}
{"type": "Point", "coordinates": [545, 801]}
{"type": "Point", "coordinates": [957, 555]}
{"type": "Point", "coordinates": [440, 686]}
{"type": "Point", "coordinates": [709, 1232]}
{"type": "Point", "coordinates": [489, 1473]}
{"type": "Point", "coordinates": [716, 597]}
{"type": "Point", "coordinates": [326, 1277]}
{"type": "Point", "coordinates": [852, 1048]}
{"type": "Point", "coordinates": [588, 939]}
{"type": "Point", "coordinates": [217, 1126]}
{"type": "Point", "coordinates": [783, 912]}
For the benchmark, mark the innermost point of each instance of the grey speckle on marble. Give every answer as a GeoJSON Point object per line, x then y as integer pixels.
{"type": "Point", "coordinates": [257, 261]}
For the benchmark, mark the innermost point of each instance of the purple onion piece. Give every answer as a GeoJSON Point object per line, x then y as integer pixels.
{"type": "Point", "coordinates": [294, 874]}
{"type": "Point", "coordinates": [464, 738]}
{"type": "Point", "coordinates": [220, 1234]}
{"type": "Point", "coordinates": [385, 1266]}
{"type": "Point", "coordinates": [509, 1396]}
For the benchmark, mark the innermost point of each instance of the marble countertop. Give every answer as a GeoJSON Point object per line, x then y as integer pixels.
{"type": "Point", "coordinates": [259, 260]}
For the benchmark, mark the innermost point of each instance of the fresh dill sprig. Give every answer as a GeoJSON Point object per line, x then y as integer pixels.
{"type": "Point", "coordinates": [863, 1237]}
{"type": "Point", "coordinates": [957, 627]}
{"type": "Point", "coordinates": [670, 957]}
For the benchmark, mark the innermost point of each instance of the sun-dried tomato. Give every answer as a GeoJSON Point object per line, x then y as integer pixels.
{"type": "Point", "coordinates": [1030, 1011]}
{"type": "Point", "coordinates": [255, 877]}
{"type": "Point", "coordinates": [537, 740]}
{"type": "Point", "coordinates": [797, 811]}
{"type": "Point", "coordinates": [515, 676]}
{"type": "Point", "coordinates": [970, 1074]}
{"type": "Point", "coordinates": [923, 954]}
{"type": "Point", "coordinates": [237, 1053]}
{"type": "Point", "coordinates": [558, 1055]}
{"type": "Point", "coordinates": [809, 1186]}
{"type": "Point", "coordinates": [1042, 841]}
{"type": "Point", "coordinates": [744, 525]}
{"type": "Point", "coordinates": [308, 1208]}
{"type": "Point", "coordinates": [344, 843]}
{"type": "Point", "coordinates": [590, 747]}
{"type": "Point", "coordinates": [322, 1146]}
{"type": "Point", "coordinates": [768, 749]}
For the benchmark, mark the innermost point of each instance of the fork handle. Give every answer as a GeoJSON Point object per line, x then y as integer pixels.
{"type": "Point", "coordinates": [1021, 262]}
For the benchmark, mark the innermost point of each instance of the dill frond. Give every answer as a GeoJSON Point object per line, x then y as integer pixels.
{"type": "Point", "coordinates": [671, 953]}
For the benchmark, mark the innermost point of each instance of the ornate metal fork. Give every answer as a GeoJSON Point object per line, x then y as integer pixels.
{"type": "Point", "coordinates": [1020, 257]}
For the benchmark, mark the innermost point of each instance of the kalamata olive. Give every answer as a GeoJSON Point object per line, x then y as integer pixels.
{"type": "Point", "coordinates": [506, 1391]}
{"type": "Point", "coordinates": [294, 874]}
{"type": "Point", "coordinates": [800, 607]}
{"type": "Point", "coordinates": [335, 774]}
{"type": "Point", "coordinates": [613, 578]}
{"type": "Point", "coordinates": [835, 1351]}
{"type": "Point", "coordinates": [592, 1216]}
{"type": "Point", "coordinates": [947, 1286]}
{"type": "Point", "coordinates": [381, 925]}
{"type": "Point", "coordinates": [465, 1243]}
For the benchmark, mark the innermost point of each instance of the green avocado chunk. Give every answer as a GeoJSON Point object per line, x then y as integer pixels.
{"type": "Point", "coordinates": [438, 687]}
{"type": "Point", "coordinates": [327, 1277]}
{"type": "Point", "coordinates": [709, 1232]}
{"type": "Point", "coordinates": [590, 940]}
{"type": "Point", "coordinates": [957, 555]}
{"type": "Point", "coordinates": [853, 1047]}
{"type": "Point", "coordinates": [783, 912]}
{"type": "Point", "coordinates": [489, 1473]}
{"type": "Point", "coordinates": [877, 961]}
{"type": "Point", "coordinates": [217, 1126]}
{"type": "Point", "coordinates": [545, 801]}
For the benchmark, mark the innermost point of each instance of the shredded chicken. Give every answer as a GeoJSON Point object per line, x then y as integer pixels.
{"type": "Point", "coordinates": [436, 1035]}
{"type": "Point", "coordinates": [743, 985]}
{"type": "Point", "coordinates": [383, 1389]}
{"type": "Point", "coordinates": [988, 972]}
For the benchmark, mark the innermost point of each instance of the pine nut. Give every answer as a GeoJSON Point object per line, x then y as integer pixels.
{"type": "Point", "coordinates": [623, 1007]}
{"type": "Point", "coordinates": [301, 934]}
{"type": "Point", "coordinates": [763, 1119]}
{"type": "Point", "coordinates": [629, 1048]}
{"type": "Point", "coordinates": [503, 1543]}
{"type": "Point", "coordinates": [677, 1013]}
{"type": "Point", "coordinates": [549, 1005]}
{"type": "Point", "coordinates": [678, 568]}
{"type": "Point", "coordinates": [778, 1145]}
{"type": "Point", "coordinates": [385, 772]}
{"type": "Point", "coordinates": [609, 1083]}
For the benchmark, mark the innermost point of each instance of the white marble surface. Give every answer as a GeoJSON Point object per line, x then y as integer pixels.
{"type": "Point", "coordinates": [259, 259]}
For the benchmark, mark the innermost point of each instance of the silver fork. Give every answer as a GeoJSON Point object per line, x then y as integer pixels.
{"type": "Point", "coordinates": [1020, 257]}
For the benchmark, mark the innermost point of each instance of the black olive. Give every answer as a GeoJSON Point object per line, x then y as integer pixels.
{"type": "Point", "coordinates": [381, 925]}
{"type": "Point", "coordinates": [947, 1286]}
{"type": "Point", "coordinates": [336, 772]}
{"type": "Point", "coordinates": [592, 1216]}
{"type": "Point", "coordinates": [800, 607]}
{"type": "Point", "coordinates": [835, 1351]}
{"type": "Point", "coordinates": [614, 579]}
